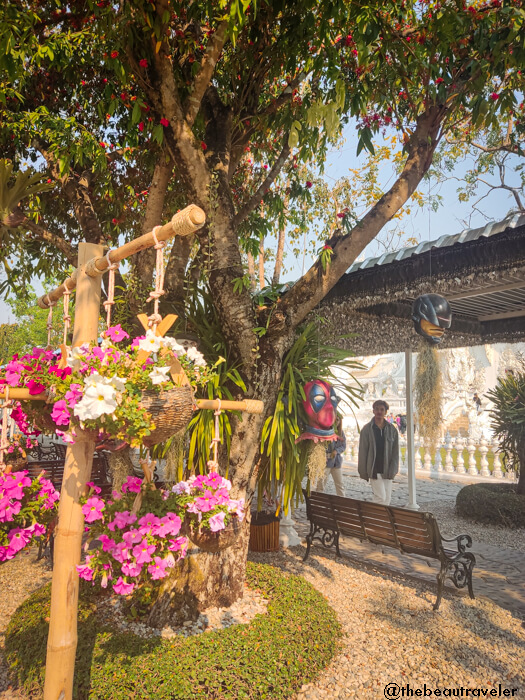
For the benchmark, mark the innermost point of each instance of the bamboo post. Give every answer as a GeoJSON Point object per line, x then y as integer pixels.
{"type": "Point", "coordinates": [62, 638]}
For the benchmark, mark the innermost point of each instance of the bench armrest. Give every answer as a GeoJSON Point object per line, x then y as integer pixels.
{"type": "Point", "coordinates": [462, 541]}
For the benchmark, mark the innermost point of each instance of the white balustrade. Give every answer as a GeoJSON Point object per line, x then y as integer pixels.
{"type": "Point", "coordinates": [438, 465]}
{"type": "Point", "coordinates": [471, 449]}
{"type": "Point", "coordinates": [484, 463]}
{"type": "Point", "coordinates": [427, 459]}
{"type": "Point", "coordinates": [496, 470]}
{"type": "Point", "coordinates": [417, 455]}
{"type": "Point", "coordinates": [449, 445]}
{"type": "Point", "coordinates": [460, 462]}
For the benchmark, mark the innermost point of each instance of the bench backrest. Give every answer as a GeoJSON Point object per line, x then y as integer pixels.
{"type": "Point", "coordinates": [409, 531]}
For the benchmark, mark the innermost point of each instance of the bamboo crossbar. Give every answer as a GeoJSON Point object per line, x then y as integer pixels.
{"type": "Point", "coordinates": [246, 406]}
{"type": "Point", "coordinates": [185, 222]}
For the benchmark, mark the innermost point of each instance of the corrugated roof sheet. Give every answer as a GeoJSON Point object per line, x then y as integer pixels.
{"type": "Point", "coordinates": [470, 234]}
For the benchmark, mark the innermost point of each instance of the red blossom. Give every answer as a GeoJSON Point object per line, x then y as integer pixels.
{"type": "Point", "coordinates": [114, 54]}
{"type": "Point", "coordinates": [308, 184]}
{"type": "Point", "coordinates": [141, 126]}
{"type": "Point", "coordinates": [143, 63]}
{"type": "Point", "coordinates": [494, 96]}
{"type": "Point", "coordinates": [439, 80]}
{"type": "Point", "coordinates": [114, 221]}
{"type": "Point", "coordinates": [165, 122]}
{"type": "Point", "coordinates": [203, 146]}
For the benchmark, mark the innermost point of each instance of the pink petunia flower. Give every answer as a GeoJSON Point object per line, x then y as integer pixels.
{"type": "Point", "coordinates": [206, 502]}
{"type": "Point", "coordinates": [123, 588]}
{"type": "Point", "coordinates": [92, 509]}
{"type": "Point", "coordinates": [85, 572]}
{"type": "Point", "coordinates": [216, 522]}
{"type": "Point", "coordinates": [60, 414]}
{"type": "Point", "coordinates": [158, 569]}
{"type": "Point", "coordinates": [179, 545]}
{"type": "Point", "coordinates": [143, 551]}
{"type": "Point", "coordinates": [131, 569]}
{"type": "Point", "coordinates": [132, 484]}
{"type": "Point", "coordinates": [35, 387]}
{"type": "Point", "coordinates": [73, 395]}
{"type": "Point", "coordinates": [116, 333]}
{"type": "Point", "coordinates": [18, 538]}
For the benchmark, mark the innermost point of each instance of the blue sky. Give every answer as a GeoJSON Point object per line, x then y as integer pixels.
{"type": "Point", "coordinates": [423, 224]}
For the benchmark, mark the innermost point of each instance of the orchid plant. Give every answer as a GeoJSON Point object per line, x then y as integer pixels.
{"type": "Point", "coordinates": [26, 508]}
{"type": "Point", "coordinates": [136, 550]}
{"type": "Point", "coordinates": [99, 387]}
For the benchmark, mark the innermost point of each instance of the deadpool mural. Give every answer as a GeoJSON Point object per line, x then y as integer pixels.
{"type": "Point", "coordinates": [320, 406]}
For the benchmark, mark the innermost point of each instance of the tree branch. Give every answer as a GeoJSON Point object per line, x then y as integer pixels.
{"type": "Point", "coordinates": [255, 199]}
{"type": "Point", "coordinates": [46, 236]}
{"type": "Point", "coordinates": [306, 294]}
{"type": "Point", "coordinates": [203, 77]}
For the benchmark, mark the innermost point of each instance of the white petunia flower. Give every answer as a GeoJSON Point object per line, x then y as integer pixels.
{"type": "Point", "coordinates": [96, 401]}
{"type": "Point", "coordinates": [76, 355]}
{"type": "Point", "coordinates": [151, 343]}
{"type": "Point", "coordinates": [159, 375]}
{"type": "Point", "coordinates": [196, 357]}
{"type": "Point", "coordinates": [94, 380]}
{"type": "Point", "coordinates": [174, 346]}
{"type": "Point", "coordinates": [117, 383]}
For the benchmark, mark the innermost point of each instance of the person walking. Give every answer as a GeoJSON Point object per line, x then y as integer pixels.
{"type": "Point", "coordinates": [334, 460]}
{"type": "Point", "coordinates": [378, 460]}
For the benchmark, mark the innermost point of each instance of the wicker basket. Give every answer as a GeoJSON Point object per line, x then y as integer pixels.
{"type": "Point", "coordinates": [264, 533]}
{"type": "Point", "coordinates": [171, 410]}
{"type": "Point", "coordinates": [210, 541]}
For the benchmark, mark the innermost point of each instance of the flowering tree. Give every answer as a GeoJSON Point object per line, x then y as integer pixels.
{"type": "Point", "coordinates": [132, 110]}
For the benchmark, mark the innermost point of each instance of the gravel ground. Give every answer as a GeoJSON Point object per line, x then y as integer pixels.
{"type": "Point", "coordinates": [452, 524]}
{"type": "Point", "coordinates": [391, 634]}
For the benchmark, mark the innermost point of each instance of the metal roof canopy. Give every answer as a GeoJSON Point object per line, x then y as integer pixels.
{"type": "Point", "coordinates": [480, 271]}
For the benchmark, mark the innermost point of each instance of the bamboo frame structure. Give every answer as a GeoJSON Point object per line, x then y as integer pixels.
{"type": "Point", "coordinates": [185, 222]}
{"type": "Point", "coordinates": [246, 406]}
{"type": "Point", "coordinates": [62, 639]}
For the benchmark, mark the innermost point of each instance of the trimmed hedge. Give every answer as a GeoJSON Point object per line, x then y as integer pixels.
{"type": "Point", "coordinates": [269, 658]}
{"type": "Point", "coordinates": [496, 504]}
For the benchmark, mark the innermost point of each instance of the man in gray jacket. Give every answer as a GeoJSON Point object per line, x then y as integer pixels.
{"type": "Point", "coordinates": [379, 453]}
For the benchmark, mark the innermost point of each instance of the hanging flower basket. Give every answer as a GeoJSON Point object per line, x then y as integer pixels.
{"type": "Point", "coordinates": [122, 394]}
{"type": "Point", "coordinates": [210, 541]}
{"type": "Point", "coordinates": [170, 410]}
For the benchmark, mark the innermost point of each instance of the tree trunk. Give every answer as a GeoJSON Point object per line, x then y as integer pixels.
{"type": "Point", "coordinates": [201, 581]}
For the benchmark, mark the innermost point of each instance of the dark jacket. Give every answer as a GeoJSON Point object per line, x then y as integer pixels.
{"type": "Point", "coordinates": [367, 451]}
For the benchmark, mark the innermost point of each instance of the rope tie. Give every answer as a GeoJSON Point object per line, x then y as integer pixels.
{"type": "Point", "coordinates": [66, 317]}
{"type": "Point", "coordinates": [112, 267]}
{"type": "Point", "coordinates": [4, 442]}
{"type": "Point", "coordinates": [214, 445]}
{"type": "Point", "coordinates": [155, 318]}
{"type": "Point", "coordinates": [49, 324]}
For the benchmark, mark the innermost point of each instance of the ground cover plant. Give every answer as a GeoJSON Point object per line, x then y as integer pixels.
{"type": "Point", "coordinates": [269, 658]}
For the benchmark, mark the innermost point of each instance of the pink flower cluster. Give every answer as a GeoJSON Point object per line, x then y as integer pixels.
{"type": "Point", "coordinates": [26, 507]}
{"type": "Point", "coordinates": [136, 550]}
{"type": "Point", "coordinates": [132, 550]}
{"type": "Point", "coordinates": [206, 499]}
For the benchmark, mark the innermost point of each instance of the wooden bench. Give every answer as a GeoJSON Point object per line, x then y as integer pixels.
{"type": "Point", "coordinates": [409, 531]}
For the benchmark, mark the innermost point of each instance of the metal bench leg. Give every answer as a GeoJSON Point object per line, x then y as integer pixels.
{"type": "Point", "coordinates": [441, 584]}
{"type": "Point", "coordinates": [309, 538]}
{"type": "Point", "coordinates": [337, 550]}
{"type": "Point", "coordinates": [469, 582]}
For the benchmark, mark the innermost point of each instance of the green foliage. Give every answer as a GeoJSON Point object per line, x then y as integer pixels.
{"type": "Point", "coordinates": [428, 395]}
{"type": "Point", "coordinates": [494, 504]}
{"type": "Point", "coordinates": [202, 318]}
{"type": "Point", "coordinates": [269, 658]}
{"type": "Point", "coordinates": [29, 329]}
{"type": "Point", "coordinates": [508, 418]}
{"type": "Point", "coordinates": [285, 461]}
